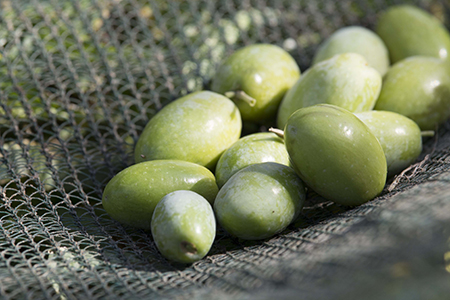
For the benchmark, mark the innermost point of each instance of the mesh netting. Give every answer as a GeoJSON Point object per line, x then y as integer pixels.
{"type": "Point", "coordinates": [78, 82]}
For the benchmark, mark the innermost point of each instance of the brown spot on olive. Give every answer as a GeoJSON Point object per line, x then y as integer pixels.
{"type": "Point", "coordinates": [188, 247]}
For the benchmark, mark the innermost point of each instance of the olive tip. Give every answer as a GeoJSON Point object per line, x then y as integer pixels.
{"type": "Point", "coordinates": [188, 247]}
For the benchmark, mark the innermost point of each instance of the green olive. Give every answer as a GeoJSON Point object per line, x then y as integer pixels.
{"type": "Point", "coordinates": [344, 80]}
{"type": "Point", "coordinates": [417, 87]}
{"type": "Point", "coordinates": [251, 149]}
{"type": "Point", "coordinates": [260, 201]}
{"type": "Point", "coordinates": [183, 226]}
{"type": "Point", "coordinates": [359, 40]}
{"type": "Point", "coordinates": [399, 136]}
{"type": "Point", "coordinates": [409, 31]}
{"type": "Point", "coordinates": [256, 77]}
{"type": "Point", "coordinates": [336, 154]}
{"type": "Point", "coordinates": [196, 128]}
{"type": "Point", "coordinates": [131, 196]}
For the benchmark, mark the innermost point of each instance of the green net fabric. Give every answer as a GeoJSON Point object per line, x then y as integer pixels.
{"type": "Point", "coordinates": [79, 79]}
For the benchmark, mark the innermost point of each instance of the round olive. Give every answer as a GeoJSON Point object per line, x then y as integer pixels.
{"type": "Point", "coordinates": [408, 31]}
{"type": "Point", "coordinates": [251, 149]}
{"type": "Point", "coordinates": [256, 77]}
{"type": "Point", "coordinates": [260, 201]}
{"type": "Point", "coordinates": [131, 196]}
{"type": "Point", "coordinates": [359, 40]}
{"type": "Point", "coordinates": [399, 136]}
{"type": "Point", "coordinates": [336, 154]}
{"type": "Point", "coordinates": [196, 128]}
{"type": "Point", "coordinates": [344, 80]}
{"type": "Point", "coordinates": [417, 87]}
{"type": "Point", "coordinates": [183, 226]}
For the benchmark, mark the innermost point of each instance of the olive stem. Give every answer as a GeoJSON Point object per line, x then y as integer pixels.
{"type": "Point", "coordinates": [277, 131]}
{"type": "Point", "coordinates": [427, 133]}
{"type": "Point", "coordinates": [241, 95]}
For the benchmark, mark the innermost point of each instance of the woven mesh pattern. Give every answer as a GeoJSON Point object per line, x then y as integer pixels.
{"type": "Point", "coordinates": [78, 82]}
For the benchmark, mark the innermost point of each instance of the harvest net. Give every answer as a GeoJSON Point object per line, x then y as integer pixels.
{"type": "Point", "coordinates": [79, 79]}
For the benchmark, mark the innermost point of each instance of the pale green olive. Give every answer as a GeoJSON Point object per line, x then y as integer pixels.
{"type": "Point", "coordinates": [417, 87]}
{"type": "Point", "coordinates": [263, 73]}
{"type": "Point", "coordinates": [359, 40]}
{"type": "Point", "coordinates": [251, 149]}
{"type": "Point", "coordinates": [131, 196]}
{"type": "Point", "coordinates": [196, 128]}
{"type": "Point", "coordinates": [344, 80]}
{"type": "Point", "coordinates": [399, 136]}
{"type": "Point", "coordinates": [259, 201]}
{"type": "Point", "coordinates": [183, 226]}
{"type": "Point", "coordinates": [336, 154]}
{"type": "Point", "coordinates": [408, 31]}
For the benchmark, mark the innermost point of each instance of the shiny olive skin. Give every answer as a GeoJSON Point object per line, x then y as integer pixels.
{"type": "Point", "coordinates": [197, 128]}
{"type": "Point", "coordinates": [417, 87]}
{"type": "Point", "coordinates": [251, 149]}
{"type": "Point", "coordinates": [409, 31]}
{"type": "Point", "coordinates": [336, 154]}
{"type": "Point", "coordinates": [399, 136]}
{"type": "Point", "coordinates": [264, 72]}
{"type": "Point", "coordinates": [131, 196]}
{"type": "Point", "coordinates": [344, 80]}
{"type": "Point", "coordinates": [260, 201]}
{"type": "Point", "coordinates": [183, 226]}
{"type": "Point", "coordinates": [359, 40]}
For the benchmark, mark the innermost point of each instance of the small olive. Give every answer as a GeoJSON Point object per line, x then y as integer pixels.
{"type": "Point", "coordinates": [399, 136]}
{"type": "Point", "coordinates": [183, 226]}
{"type": "Point", "coordinates": [251, 149]}
{"type": "Point", "coordinates": [260, 201]}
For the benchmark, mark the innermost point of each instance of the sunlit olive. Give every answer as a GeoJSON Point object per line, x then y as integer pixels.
{"type": "Point", "coordinates": [417, 87]}
{"type": "Point", "coordinates": [256, 77]}
{"type": "Point", "coordinates": [196, 128]}
{"type": "Point", "coordinates": [359, 40]}
{"type": "Point", "coordinates": [344, 80]}
{"type": "Point", "coordinates": [336, 154]}
{"type": "Point", "coordinates": [131, 196]}
{"type": "Point", "coordinates": [399, 136]}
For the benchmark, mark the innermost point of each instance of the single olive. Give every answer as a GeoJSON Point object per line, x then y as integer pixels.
{"type": "Point", "coordinates": [417, 87]}
{"type": "Point", "coordinates": [131, 196]}
{"type": "Point", "coordinates": [359, 40]}
{"type": "Point", "coordinates": [344, 80]}
{"type": "Point", "coordinates": [399, 136]}
{"type": "Point", "coordinates": [251, 149]}
{"type": "Point", "coordinates": [336, 154]}
{"type": "Point", "coordinates": [260, 201]}
{"type": "Point", "coordinates": [183, 226]}
{"type": "Point", "coordinates": [256, 77]}
{"type": "Point", "coordinates": [196, 128]}
{"type": "Point", "coordinates": [409, 31]}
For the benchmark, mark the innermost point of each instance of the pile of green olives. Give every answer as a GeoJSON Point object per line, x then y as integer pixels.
{"type": "Point", "coordinates": [345, 125]}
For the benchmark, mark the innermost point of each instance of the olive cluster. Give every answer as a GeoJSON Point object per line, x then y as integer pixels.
{"type": "Point", "coordinates": [344, 126]}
